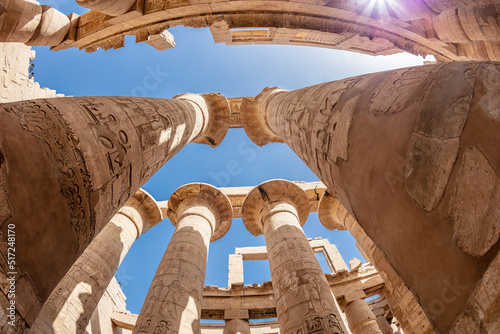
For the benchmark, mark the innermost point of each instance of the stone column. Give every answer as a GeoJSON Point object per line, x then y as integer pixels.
{"type": "Point", "coordinates": [383, 324]}
{"type": "Point", "coordinates": [359, 315]}
{"type": "Point", "coordinates": [236, 322]}
{"type": "Point", "coordinates": [109, 7]}
{"type": "Point", "coordinates": [400, 150]}
{"type": "Point", "coordinates": [87, 156]}
{"type": "Point", "coordinates": [28, 22]}
{"type": "Point", "coordinates": [201, 214]}
{"type": "Point", "coordinates": [304, 301]}
{"type": "Point", "coordinates": [72, 303]}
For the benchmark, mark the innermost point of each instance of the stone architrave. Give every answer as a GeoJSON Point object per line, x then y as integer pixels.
{"type": "Point", "coordinates": [67, 165]}
{"type": "Point", "coordinates": [201, 214]}
{"type": "Point", "coordinates": [360, 317]}
{"type": "Point", "coordinates": [399, 149]}
{"type": "Point", "coordinates": [78, 293]}
{"type": "Point", "coordinates": [304, 301]}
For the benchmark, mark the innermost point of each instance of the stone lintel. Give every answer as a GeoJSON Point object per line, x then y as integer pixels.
{"type": "Point", "coordinates": [123, 320]}
{"type": "Point", "coordinates": [331, 213]}
{"type": "Point", "coordinates": [202, 194]}
{"type": "Point", "coordinates": [216, 113]}
{"type": "Point", "coordinates": [236, 314]}
{"type": "Point", "coordinates": [268, 195]}
{"type": "Point", "coordinates": [144, 205]}
{"type": "Point", "coordinates": [253, 118]}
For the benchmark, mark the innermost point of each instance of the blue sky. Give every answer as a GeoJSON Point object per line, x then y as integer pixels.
{"type": "Point", "coordinates": [198, 65]}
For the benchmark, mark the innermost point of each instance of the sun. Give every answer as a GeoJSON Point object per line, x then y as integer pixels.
{"type": "Point", "coordinates": [378, 8]}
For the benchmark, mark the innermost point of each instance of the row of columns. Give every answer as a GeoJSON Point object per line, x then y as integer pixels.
{"type": "Point", "coordinates": [92, 154]}
{"type": "Point", "coordinates": [202, 214]}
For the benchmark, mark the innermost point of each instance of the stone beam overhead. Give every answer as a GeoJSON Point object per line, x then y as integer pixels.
{"type": "Point", "coordinates": [449, 30]}
{"type": "Point", "coordinates": [278, 209]}
{"type": "Point", "coordinates": [319, 245]}
{"type": "Point", "coordinates": [109, 7]}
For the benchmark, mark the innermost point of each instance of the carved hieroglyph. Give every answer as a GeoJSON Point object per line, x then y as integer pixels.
{"type": "Point", "coordinates": [304, 301]}
{"type": "Point", "coordinates": [389, 146]}
{"type": "Point", "coordinates": [78, 293]}
{"type": "Point", "coordinates": [69, 164]}
{"type": "Point", "coordinates": [201, 213]}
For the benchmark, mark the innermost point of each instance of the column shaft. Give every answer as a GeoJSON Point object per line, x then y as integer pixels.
{"type": "Point", "coordinates": [401, 300]}
{"type": "Point", "coordinates": [399, 150]}
{"type": "Point", "coordinates": [304, 301]}
{"type": "Point", "coordinates": [91, 155]}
